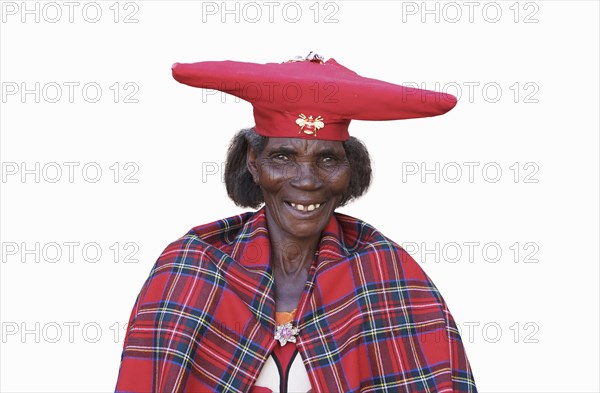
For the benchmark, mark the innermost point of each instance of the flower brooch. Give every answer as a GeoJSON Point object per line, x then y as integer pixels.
{"type": "Point", "coordinates": [286, 333]}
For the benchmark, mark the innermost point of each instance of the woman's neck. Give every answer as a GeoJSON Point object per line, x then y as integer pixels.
{"type": "Point", "coordinates": [290, 256]}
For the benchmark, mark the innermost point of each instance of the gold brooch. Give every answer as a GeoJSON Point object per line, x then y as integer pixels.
{"type": "Point", "coordinates": [309, 125]}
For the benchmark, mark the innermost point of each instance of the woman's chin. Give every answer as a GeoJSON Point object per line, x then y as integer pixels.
{"type": "Point", "coordinates": [301, 224]}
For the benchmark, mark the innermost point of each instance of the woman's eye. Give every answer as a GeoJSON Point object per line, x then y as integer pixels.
{"type": "Point", "coordinates": [280, 157]}
{"type": "Point", "coordinates": [328, 160]}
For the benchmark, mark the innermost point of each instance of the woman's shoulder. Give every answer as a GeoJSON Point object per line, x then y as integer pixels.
{"type": "Point", "coordinates": [206, 240]}
{"type": "Point", "coordinates": [221, 232]}
{"type": "Point", "coordinates": [361, 238]}
{"type": "Point", "coordinates": [358, 234]}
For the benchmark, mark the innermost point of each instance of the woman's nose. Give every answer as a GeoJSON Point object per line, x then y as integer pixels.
{"type": "Point", "coordinates": [306, 176]}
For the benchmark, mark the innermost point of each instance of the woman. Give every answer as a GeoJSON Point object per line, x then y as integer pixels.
{"type": "Point", "coordinates": [295, 297]}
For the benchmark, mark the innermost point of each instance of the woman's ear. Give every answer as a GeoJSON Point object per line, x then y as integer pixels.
{"type": "Point", "coordinates": [251, 164]}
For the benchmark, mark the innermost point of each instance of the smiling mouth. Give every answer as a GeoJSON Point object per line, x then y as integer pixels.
{"type": "Point", "coordinates": [305, 207]}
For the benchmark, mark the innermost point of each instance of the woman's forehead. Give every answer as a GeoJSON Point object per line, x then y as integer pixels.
{"type": "Point", "coordinates": [305, 145]}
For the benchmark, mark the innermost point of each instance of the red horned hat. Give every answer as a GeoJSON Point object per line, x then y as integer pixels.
{"type": "Point", "coordinates": [311, 98]}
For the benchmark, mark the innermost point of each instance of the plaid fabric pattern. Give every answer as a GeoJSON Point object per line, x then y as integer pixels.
{"type": "Point", "coordinates": [370, 319]}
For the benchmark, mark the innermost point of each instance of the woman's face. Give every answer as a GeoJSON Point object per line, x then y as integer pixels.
{"type": "Point", "coordinates": [302, 183]}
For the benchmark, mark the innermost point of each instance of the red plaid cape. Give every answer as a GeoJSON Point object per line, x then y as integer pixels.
{"type": "Point", "coordinates": [369, 317]}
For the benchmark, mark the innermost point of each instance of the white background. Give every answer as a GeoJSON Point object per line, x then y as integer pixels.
{"type": "Point", "coordinates": [527, 327]}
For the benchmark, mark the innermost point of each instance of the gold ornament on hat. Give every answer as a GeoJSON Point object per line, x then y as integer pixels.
{"type": "Point", "coordinates": [309, 125]}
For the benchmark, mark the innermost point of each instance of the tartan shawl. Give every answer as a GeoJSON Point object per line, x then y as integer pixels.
{"type": "Point", "coordinates": [370, 319]}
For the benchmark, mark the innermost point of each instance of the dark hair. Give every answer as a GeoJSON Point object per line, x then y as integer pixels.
{"type": "Point", "coordinates": [242, 189]}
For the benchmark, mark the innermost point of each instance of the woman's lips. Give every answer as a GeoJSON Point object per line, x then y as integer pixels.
{"type": "Point", "coordinates": [305, 207]}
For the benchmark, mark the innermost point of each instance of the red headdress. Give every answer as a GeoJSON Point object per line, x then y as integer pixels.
{"type": "Point", "coordinates": [311, 98]}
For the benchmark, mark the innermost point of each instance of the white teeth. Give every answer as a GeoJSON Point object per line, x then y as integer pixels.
{"type": "Point", "coordinates": [293, 204]}
{"type": "Point", "coordinates": [317, 205]}
{"type": "Point", "coordinates": [310, 208]}
{"type": "Point", "coordinates": [300, 207]}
